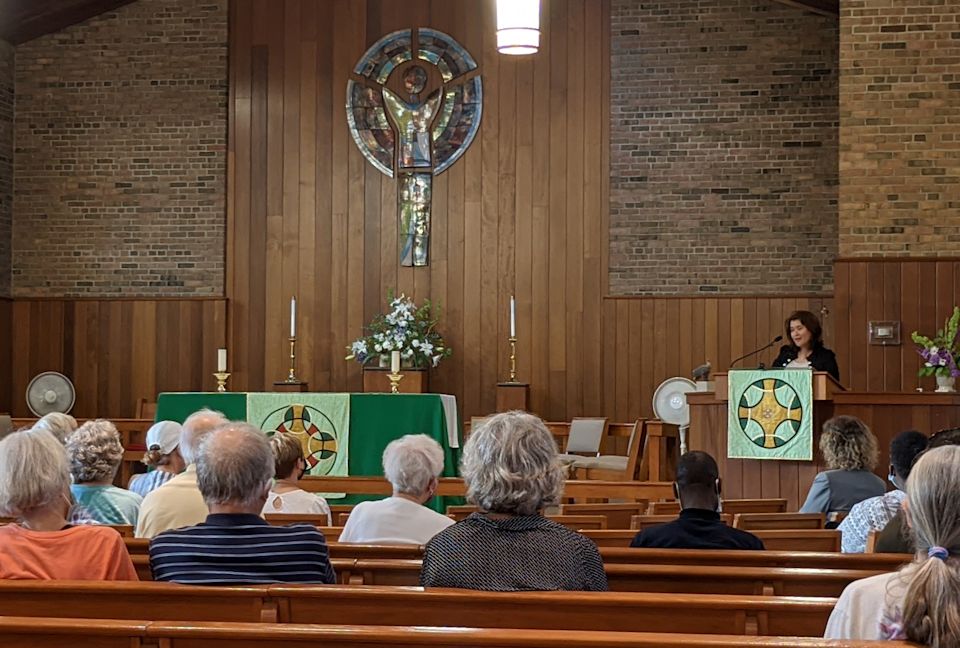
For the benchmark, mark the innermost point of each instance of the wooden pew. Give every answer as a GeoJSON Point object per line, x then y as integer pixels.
{"type": "Point", "coordinates": [618, 514]}
{"type": "Point", "coordinates": [770, 521]}
{"type": "Point", "coordinates": [100, 633]}
{"type": "Point", "coordinates": [729, 506]}
{"type": "Point", "coordinates": [776, 540]}
{"type": "Point", "coordinates": [808, 559]}
{"type": "Point", "coordinates": [133, 600]}
{"type": "Point", "coordinates": [554, 610]}
{"type": "Point", "coordinates": [640, 522]}
{"type": "Point", "coordinates": [747, 615]}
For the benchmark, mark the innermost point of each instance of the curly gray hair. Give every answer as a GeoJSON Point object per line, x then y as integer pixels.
{"type": "Point", "coordinates": [34, 472]}
{"type": "Point", "coordinates": [59, 424]}
{"type": "Point", "coordinates": [410, 462]}
{"type": "Point", "coordinates": [848, 444]}
{"type": "Point", "coordinates": [235, 466]}
{"type": "Point", "coordinates": [510, 465]}
{"type": "Point", "coordinates": [95, 451]}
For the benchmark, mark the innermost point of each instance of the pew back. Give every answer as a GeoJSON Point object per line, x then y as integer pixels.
{"type": "Point", "coordinates": [771, 521]}
{"type": "Point", "coordinates": [729, 506]}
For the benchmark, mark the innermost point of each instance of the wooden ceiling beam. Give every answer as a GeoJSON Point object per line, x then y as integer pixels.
{"type": "Point", "coordinates": [24, 20]}
{"type": "Point", "coordinates": [822, 7]}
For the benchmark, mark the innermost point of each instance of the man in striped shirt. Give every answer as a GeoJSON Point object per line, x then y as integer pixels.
{"type": "Point", "coordinates": [235, 545]}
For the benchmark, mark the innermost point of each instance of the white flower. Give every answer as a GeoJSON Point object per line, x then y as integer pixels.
{"type": "Point", "coordinates": [934, 350]}
{"type": "Point", "coordinates": [408, 353]}
{"type": "Point", "coordinates": [388, 345]}
{"type": "Point", "coordinates": [426, 347]}
{"type": "Point", "coordinates": [359, 348]}
{"type": "Point", "coordinates": [378, 348]}
{"type": "Point", "coordinates": [436, 360]}
{"type": "Point", "coordinates": [415, 343]}
{"type": "Point", "coordinates": [943, 362]}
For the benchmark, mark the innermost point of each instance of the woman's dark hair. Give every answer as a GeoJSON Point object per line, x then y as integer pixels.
{"type": "Point", "coordinates": [810, 322]}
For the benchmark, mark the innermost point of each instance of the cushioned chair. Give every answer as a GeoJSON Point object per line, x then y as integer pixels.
{"type": "Point", "coordinates": [617, 467]}
{"type": "Point", "coordinates": [583, 444]}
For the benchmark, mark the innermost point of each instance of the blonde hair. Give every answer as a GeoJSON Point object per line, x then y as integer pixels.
{"type": "Point", "coordinates": [34, 471]}
{"type": "Point", "coordinates": [287, 449]}
{"type": "Point", "coordinates": [510, 465]}
{"type": "Point", "coordinates": [95, 451]}
{"type": "Point", "coordinates": [931, 610]}
{"type": "Point", "coordinates": [848, 444]}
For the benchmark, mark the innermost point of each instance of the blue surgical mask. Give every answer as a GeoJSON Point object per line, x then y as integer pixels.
{"type": "Point", "coordinates": [895, 481]}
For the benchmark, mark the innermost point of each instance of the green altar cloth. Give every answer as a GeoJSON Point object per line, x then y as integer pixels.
{"type": "Point", "coordinates": [375, 421]}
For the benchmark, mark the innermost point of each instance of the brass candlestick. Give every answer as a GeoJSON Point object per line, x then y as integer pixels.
{"type": "Point", "coordinates": [221, 377]}
{"type": "Point", "coordinates": [292, 376]}
{"type": "Point", "coordinates": [513, 359]}
{"type": "Point", "coordinates": [395, 379]}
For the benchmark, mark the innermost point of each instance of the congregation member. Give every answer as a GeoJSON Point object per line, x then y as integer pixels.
{"type": "Point", "coordinates": [178, 503]}
{"type": "Point", "coordinates": [806, 350]}
{"type": "Point", "coordinates": [875, 513]}
{"type": "Point", "coordinates": [59, 424]}
{"type": "Point", "coordinates": [921, 602]}
{"type": "Point", "coordinates": [286, 496]}
{"type": "Point", "coordinates": [412, 464]}
{"type": "Point", "coordinates": [35, 489]}
{"type": "Point", "coordinates": [512, 472]}
{"type": "Point", "coordinates": [699, 526]}
{"type": "Point", "coordinates": [95, 455]}
{"type": "Point", "coordinates": [234, 545]}
{"type": "Point", "coordinates": [896, 536]}
{"type": "Point", "coordinates": [163, 455]}
{"type": "Point", "coordinates": [850, 451]}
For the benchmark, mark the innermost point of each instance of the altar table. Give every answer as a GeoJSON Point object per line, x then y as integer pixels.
{"type": "Point", "coordinates": [375, 421]}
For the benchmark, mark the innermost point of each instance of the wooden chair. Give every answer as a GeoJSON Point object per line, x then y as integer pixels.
{"type": "Point", "coordinates": [764, 521]}
{"type": "Point", "coordinates": [618, 514]}
{"type": "Point", "coordinates": [615, 467]}
{"type": "Point", "coordinates": [146, 409]}
{"type": "Point", "coordinates": [729, 506]}
{"type": "Point", "coordinates": [583, 443]}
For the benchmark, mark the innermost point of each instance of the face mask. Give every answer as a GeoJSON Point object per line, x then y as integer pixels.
{"type": "Point", "coordinates": [895, 481]}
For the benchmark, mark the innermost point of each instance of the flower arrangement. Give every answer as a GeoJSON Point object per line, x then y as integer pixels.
{"type": "Point", "coordinates": [941, 354]}
{"type": "Point", "coordinates": [406, 328]}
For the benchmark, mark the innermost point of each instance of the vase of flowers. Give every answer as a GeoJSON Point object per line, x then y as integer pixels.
{"type": "Point", "coordinates": [407, 328]}
{"type": "Point", "coordinates": [941, 354]}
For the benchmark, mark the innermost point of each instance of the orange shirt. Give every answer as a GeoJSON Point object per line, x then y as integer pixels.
{"type": "Point", "coordinates": [75, 553]}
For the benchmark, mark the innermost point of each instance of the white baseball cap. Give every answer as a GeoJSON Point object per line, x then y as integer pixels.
{"type": "Point", "coordinates": [163, 436]}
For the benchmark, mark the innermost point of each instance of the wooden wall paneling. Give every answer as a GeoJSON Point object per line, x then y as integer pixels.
{"type": "Point", "coordinates": [909, 321]}
{"type": "Point", "coordinates": [6, 352]}
{"type": "Point", "coordinates": [841, 337]}
{"type": "Point", "coordinates": [523, 259]}
{"type": "Point", "coordinates": [892, 291]}
{"type": "Point", "coordinates": [928, 322]}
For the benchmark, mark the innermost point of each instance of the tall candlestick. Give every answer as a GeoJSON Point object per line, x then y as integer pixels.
{"type": "Point", "coordinates": [395, 362]}
{"type": "Point", "coordinates": [513, 317]}
{"type": "Point", "coordinates": [221, 360]}
{"type": "Point", "coordinates": [293, 317]}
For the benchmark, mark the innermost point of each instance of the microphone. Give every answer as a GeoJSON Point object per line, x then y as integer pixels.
{"type": "Point", "coordinates": [763, 348]}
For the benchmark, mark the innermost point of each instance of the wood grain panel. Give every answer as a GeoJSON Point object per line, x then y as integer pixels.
{"type": "Point", "coordinates": [114, 351]}
{"type": "Point", "coordinates": [919, 293]}
{"type": "Point", "coordinates": [520, 214]}
{"type": "Point", "coordinates": [6, 353]}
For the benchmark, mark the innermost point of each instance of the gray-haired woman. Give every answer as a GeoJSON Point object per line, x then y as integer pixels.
{"type": "Point", "coordinates": [95, 455]}
{"type": "Point", "coordinates": [412, 465]}
{"type": "Point", "coordinates": [35, 489]}
{"type": "Point", "coordinates": [512, 473]}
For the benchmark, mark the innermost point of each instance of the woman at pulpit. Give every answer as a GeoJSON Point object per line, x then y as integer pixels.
{"type": "Point", "coordinates": [806, 348]}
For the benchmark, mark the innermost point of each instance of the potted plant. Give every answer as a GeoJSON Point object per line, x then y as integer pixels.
{"type": "Point", "coordinates": [407, 328]}
{"type": "Point", "coordinates": [941, 354]}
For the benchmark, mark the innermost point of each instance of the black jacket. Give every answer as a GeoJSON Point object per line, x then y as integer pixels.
{"type": "Point", "coordinates": [822, 359]}
{"type": "Point", "coordinates": [696, 529]}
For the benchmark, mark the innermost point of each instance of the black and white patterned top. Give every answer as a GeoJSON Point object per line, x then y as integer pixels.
{"type": "Point", "coordinates": [525, 552]}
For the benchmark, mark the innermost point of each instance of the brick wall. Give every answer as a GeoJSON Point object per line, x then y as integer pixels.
{"type": "Point", "coordinates": [121, 154]}
{"type": "Point", "coordinates": [899, 127]}
{"type": "Point", "coordinates": [6, 162]}
{"type": "Point", "coordinates": [723, 155]}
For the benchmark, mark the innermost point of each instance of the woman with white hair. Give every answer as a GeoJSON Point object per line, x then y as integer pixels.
{"type": "Point", "coordinates": [95, 454]}
{"type": "Point", "coordinates": [512, 473]}
{"type": "Point", "coordinates": [412, 465]}
{"type": "Point", "coordinates": [289, 466]}
{"type": "Point", "coordinates": [921, 602]}
{"type": "Point", "coordinates": [59, 424]}
{"type": "Point", "coordinates": [35, 489]}
{"type": "Point", "coordinates": [163, 455]}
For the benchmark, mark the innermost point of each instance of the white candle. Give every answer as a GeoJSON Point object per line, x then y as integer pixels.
{"type": "Point", "coordinates": [293, 317]}
{"type": "Point", "coordinates": [513, 317]}
{"type": "Point", "coordinates": [395, 362]}
{"type": "Point", "coordinates": [221, 360]}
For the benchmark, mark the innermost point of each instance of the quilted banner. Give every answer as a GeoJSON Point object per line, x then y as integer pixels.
{"type": "Point", "coordinates": [770, 414]}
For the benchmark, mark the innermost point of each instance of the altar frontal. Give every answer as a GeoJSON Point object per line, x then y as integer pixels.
{"type": "Point", "coordinates": [770, 414]}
